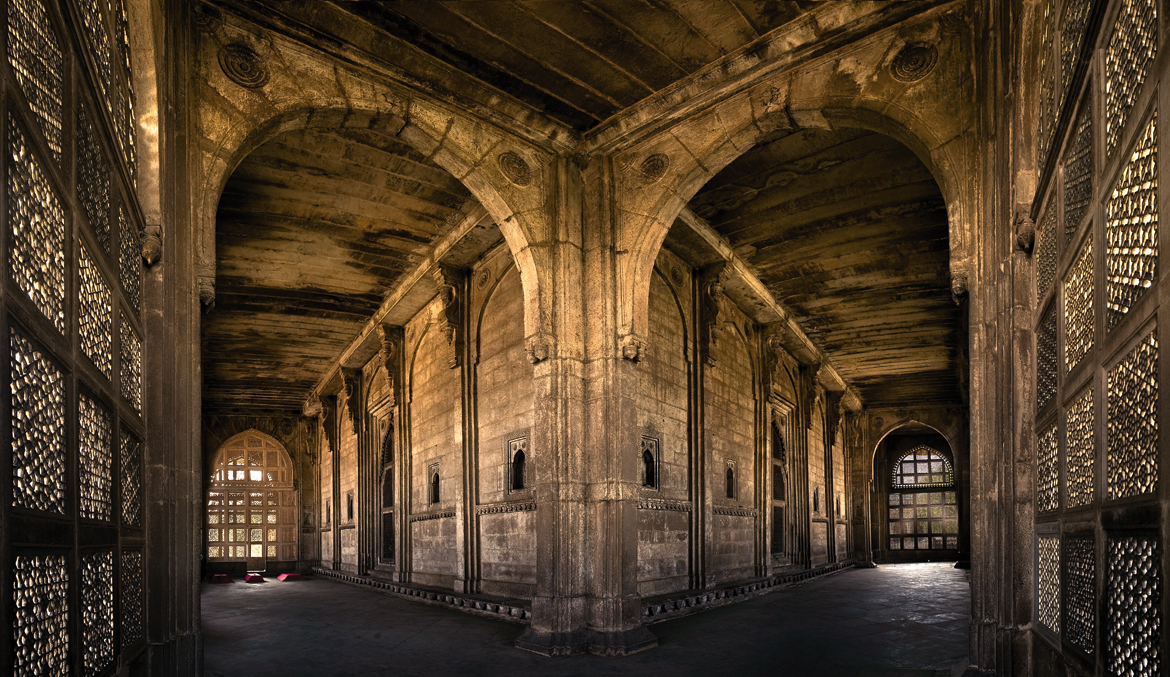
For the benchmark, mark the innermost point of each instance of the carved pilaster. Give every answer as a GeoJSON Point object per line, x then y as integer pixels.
{"type": "Point", "coordinates": [807, 387]}
{"type": "Point", "coordinates": [351, 380]}
{"type": "Point", "coordinates": [710, 296]}
{"type": "Point", "coordinates": [391, 339]}
{"type": "Point", "coordinates": [449, 281]}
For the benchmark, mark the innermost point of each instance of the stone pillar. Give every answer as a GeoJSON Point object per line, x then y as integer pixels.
{"type": "Point", "coordinates": [586, 426]}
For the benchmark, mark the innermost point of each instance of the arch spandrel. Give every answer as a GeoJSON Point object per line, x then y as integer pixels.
{"type": "Point", "coordinates": [852, 87]}
{"type": "Point", "coordinates": [306, 90]}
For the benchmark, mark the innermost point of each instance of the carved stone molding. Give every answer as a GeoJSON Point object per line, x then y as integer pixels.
{"type": "Point", "coordinates": [539, 347]}
{"type": "Point", "coordinates": [449, 281]}
{"type": "Point", "coordinates": [663, 504]}
{"type": "Point", "coordinates": [243, 65]}
{"type": "Point", "coordinates": [915, 61]}
{"type": "Point", "coordinates": [424, 516]}
{"type": "Point", "coordinates": [515, 169]}
{"type": "Point", "coordinates": [710, 295]}
{"type": "Point", "coordinates": [734, 512]}
{"type": "Point", "coordinates": [633, 347]}
{"type": "Point", "coordinates": [501, 508]}
{"type": "Point", "coordinates": [351, 380]}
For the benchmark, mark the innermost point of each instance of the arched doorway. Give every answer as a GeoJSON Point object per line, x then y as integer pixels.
{"type": "Point", "coordinates": [251, 506]}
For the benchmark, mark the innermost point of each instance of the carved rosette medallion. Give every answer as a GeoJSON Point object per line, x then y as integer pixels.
{"type": "Point", "coordinates": [243, 65]}
{"type": "Point", "coordinates": [207, 18]}
{"type": "Point", "coordinates": [515, 169]}
{"type": "Point", "coordinates": [915, 61]}
{"type": "Point", "coordinates": [482, 279]}
{"type": "Point", "coordinates": [654, 167]}
{"type": "Point", "coordinates": [676, 276]}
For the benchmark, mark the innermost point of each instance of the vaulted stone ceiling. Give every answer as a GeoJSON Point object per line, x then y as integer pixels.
{"type": "Point", "coordinates": [848, 230]}
{"type": "Point", "coordinates": [579, 62]}
{"type": "Point", "coordinates": [314, 228]}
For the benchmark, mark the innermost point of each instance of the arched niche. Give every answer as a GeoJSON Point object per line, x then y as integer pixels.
{"type": "Point", "coordinates": [251, 507]}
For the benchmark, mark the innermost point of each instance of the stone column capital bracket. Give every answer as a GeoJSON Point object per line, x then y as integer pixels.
{"type": "Point", "coordinates": [633, 347]}
{"type": "Point", "coordinates": [151, 244]}
{"type": "Point", "coordinates": [539, 347]}
{"type": "Point", "coordinates": [1025, 231]}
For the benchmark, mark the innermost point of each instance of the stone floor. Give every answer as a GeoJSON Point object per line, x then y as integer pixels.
{"type": "Point", "coordinates": [907, 620]}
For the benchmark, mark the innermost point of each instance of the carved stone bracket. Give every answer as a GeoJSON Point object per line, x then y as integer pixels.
{"type": "Point", "coordinates": [207, 291]}
{"type": "Point", "coordinates": [500, 508]}
{"type": "Point", "coordinates": [422, 517]}
{"type": "Point", "coordinates": [734, 512]}
{"type": "Point", "coordinates": [539, 347]}
{"type": "Point", "coordinates": [663, 504]}
{"type": "Point", "coordinates": [833, 411]}
{"type": "Point", "coordinates": [450, 280]}
{"type": "Point", "coordinates": [633, 347]}
{"type": "Point", "coordinates": [351, 380]}
{"type": "Point", "coordinates": [391, 339]}
{"type": "Point", "coordinates": [1025, 230]}
{"type": "Point", "coordinates": [958, 285]}
{"type": "Point", "coordinates": [329, 421]}
{"type": "Point", "coordinates": [151, 244]}
{"type": "Point", "coordinates": [710, 294]}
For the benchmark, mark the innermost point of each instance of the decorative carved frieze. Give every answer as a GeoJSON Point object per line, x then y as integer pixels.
{"type": "Point", "coordinates": [710, 295]}
{"type": "Point", "coordinates": [734, 512]}
{"type": "Point", "coordinates": [424, 516]}
{"type": "Point", "coordinates": [351, 380]}
{"type": "Point", "coordinates": [663, 504]}
{"type": "Point", "coordinates": [501, 508]}
{"type": "Point", "coordinates": [449, 280]}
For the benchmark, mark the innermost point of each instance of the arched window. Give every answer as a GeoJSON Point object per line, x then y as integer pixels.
{"type": "Point", "coordinates": [778, 451]}
{"type": "Point", "coordinates": [518, 470]}
{"type": "Point", "coordinates": [777, 483]}
{"type": "Point", "coordinates": [923, 507]}
{"type": "Point", "coordinates": [648, 475]}
{"type": "Point", "coordinates": [251, 505]}
{"type": "Point", "coordinates": [435, 487]}
{"type": "Point", "coordinates": [388, 446]}
{"type": "Point", "coordinates": [388, 489]}
{"type": "Point", "coordinates": [730, 477]}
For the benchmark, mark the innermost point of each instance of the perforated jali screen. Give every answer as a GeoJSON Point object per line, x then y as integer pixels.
{"type": "Point", "coordinates": [251, 508]}
{"type": "Point", "coordinates": [71, 317]}
{"type": "Point", "coordinates": [1097, 446]}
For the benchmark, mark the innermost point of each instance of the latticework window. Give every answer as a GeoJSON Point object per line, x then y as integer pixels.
{"type": "Point", "coordinates": [1080, 609]}
{"type": "Point", "coordinates": [1047, 472]}
{"type": "Point", "coordinates": [1132, 466]}
{"type": "Point", "coordinates": [251, 508]}
{"type": "Point", "coordinates": [131, 365]}
{"type": "Point", "coordinates": [1131, 227]}
{"type": "Point", "coordinates": [123, 103]}
{"type": "Point", "coordinates": [1078, 173]}
{"type": "Point", "coordinates": [131, 597]}
{"type": "Point", "coordinates": [1128, 56]}
{"type": "Point", "coordinates": [1048, 582]}
{"type": "Point", "coordinates": [1046, 256]}
{"type": "Point", "coordinates": [97, 611]}
{"type": "Point", "coordinates": [1081, 451]}
{"type": "Point", "coordinates": [926, 520]}
{"type": "Point", "coordinates": [1078, 308]}
{"type": "Point", "coordinates": [34, 53]}
{"type": "Point", "coordinates": [1047, 122]}
{"type": "Point", "coordinates": [129, 260]}
{"type": "Point", "coordinates": [1133, 583]}
{"type": "Point", "coordinates": [1073, 21]}
{"type": "Point", "coordinates": [36, 230]}
{"type": "Point", "coordinates": [95, 459]}
{"type": "Point", "coordinates": [40, 616]}
{"type": "Point", "coordinates": [93, 179]}
{"type": "Point", "coordinates": [38, 428]}
{"type": "Point", "coordinates": [96, 316]}
{"type": "Point", "coordinates": [131, 476]}
{"type": "Point", "coordinates": [1046, 358]}
{"type": "Point", "coordinates": [923, 468]}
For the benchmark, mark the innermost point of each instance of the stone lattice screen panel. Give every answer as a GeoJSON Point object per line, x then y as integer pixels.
{"type": "Point", "coordinates": [1131, 228]}
{"type": "Point", "coordinates": [96, 317]}
{"type": "Point", "coordinates": [131, 598]}
{"type": "Point", "coordinates": [95, 458]}
{"type": "Point", "coordinates": [34, 53]}
{"type": "Point", "coordinates": [1046, 358]}
{"type": "Point", "coordinates": [131, 365]}
{"type": "Point", "coordinates": [1048, 582]}
{"type": "Point", "coordinates": [1080, 451]}
{"type": "Point", "coordinates": [36, 230]}
{"type": "Point", "coordinates": [1134, 601]}
{"type": "Point", "coordinates": [1047, 471]}
{"type": "Point", "coordinates": [1078, 308]}
{"type": "Point", "coordinates": [97, 611]}
{"type": "Point", "coordinates": [40, 616]}
{"type": "Point", "coordinates": [38, 428]}
{"type": "Point", "coordinates": [1080, 609]}
{"type": "Point", "coordinates": [1073, 22]}
{"type": "Point", "coordinates": [1132, 47]}
{"type": "Point", "coordinates": [1078, 173]}
{"type": "Point", "coordinates": [130, 471]}
{"type": "Point", "coordinates": [1045, 254]}
{"type": "Point", "coordinates": [129, 260]}
{"type": "Point", "coordinates": [1132, 460]}
{"type": "Point", "coordinates": [93, 179]}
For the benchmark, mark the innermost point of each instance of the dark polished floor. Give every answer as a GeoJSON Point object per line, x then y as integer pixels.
{"type": "Point", "coordinates": [905, 619]}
